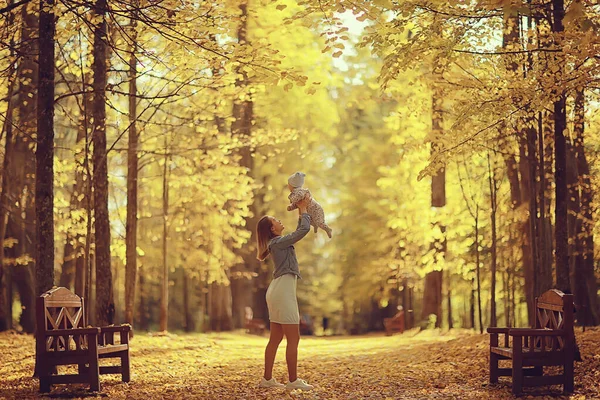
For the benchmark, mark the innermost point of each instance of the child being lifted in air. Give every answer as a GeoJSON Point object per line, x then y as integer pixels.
{"type": "Point", "coordinates": [314, 209]}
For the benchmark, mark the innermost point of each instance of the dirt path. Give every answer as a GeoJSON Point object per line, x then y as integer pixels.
{"type": "Point", "coordinates": [229, 366]}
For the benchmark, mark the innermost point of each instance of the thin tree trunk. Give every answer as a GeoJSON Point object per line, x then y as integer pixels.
{"type": "Point", "coordinates": [506, 291]}
{"type": "Point", "coordinates": [164, 298]}
{"type": "Point", "coordinates": [143, 315]}
{"type": "Point", "coordinates": [104, 291]}
{"type": "Point", "coordinates": [449, 299]}
{"type": "Point", "coordinates": [5, 290]}
{"type": "Point", "coordinates": [494, 248]}
{"type": "Point", "coordinates": [188, 320]}
{"type": "Point", "coordinates": [82, 194]}
{"type": "Point", "coordinates": [544, 249]}
{"type": "Point", "coordinates": [73, 273]}
{"type": "Point", "coordinates": [405, 303]}
{"type": "Point", "coordinates": [132, 186]}
{"type": "Point", "coordinates": [478, 269]}
{"type": "Point", "coordinates": [472, 305]}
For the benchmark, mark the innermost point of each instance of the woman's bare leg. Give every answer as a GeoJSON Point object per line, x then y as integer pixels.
{"type": "Point", "coordinates": [292, 335]}
{"type": "Point", "coordinates": [271, 350]}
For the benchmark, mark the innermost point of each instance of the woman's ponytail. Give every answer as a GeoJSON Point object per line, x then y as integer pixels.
{"type": "Point", "coordinates": [263, 236]}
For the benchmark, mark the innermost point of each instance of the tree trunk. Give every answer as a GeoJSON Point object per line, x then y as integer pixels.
{"type": "Point", "coordinates": [104, 291]}
{"type": "Point", "coordinates": [543, 228]}
{"type": "Point", "coordinates": [220, 307]}
{"type": "Point", "coordinates": [132, 186]}
{"type": "Point", "coordinates": [494, 249]}
{"type": "Point", "coordinates": [472, 305]}
{"type": "Point", "coordinates": [245, 291]}
{"type": "Point", "coordinates": [449, 299]}
{"type": "Point", "coordinates": [188, 321]}
{"type": "Point", "coordinates": [406, 304]}
{"type": "Point", "coordinates": [510, 42]}
{"type": "Point", "coordinates": [432, 293]}
{"type": "Point", "coordinates": [82, 194]}
{"type": "Point", "coordinates": [142, 312]}
{"type": "Point", "coordinates": [527, 234]}
{"type": "Point", "coordinates": [22, 222]}
{"type": "Point", "coordinates": [560, 161]}
{"type": "Point", "coordinates": [44, 154]}
{"type": "Point", "coordinates": [478, 269]}
{"type": "Point", "coordinates": [67, 273]}
{"type": "Point", "coordinates": [73, 272]}
{"type": "Point", "coordinates": [5, 289]}
{"type": "Point", "coordinates": [164, 298]}
{"type": "Point", "coordinates": [586, 286]}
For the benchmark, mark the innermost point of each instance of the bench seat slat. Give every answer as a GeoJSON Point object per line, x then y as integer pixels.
{"type": "Point", "coordinates": [114, 348]}
{"type": "Point", "coordinates": [527, 353]}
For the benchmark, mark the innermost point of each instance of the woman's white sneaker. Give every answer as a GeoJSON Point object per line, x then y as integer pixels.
{"type": "Point", "coordinates": [298, 384]}
{"type": "Point", "coordinates": [270, 383]}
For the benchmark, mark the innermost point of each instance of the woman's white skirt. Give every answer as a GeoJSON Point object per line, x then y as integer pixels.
{"type": "Point", "coordinates": [282, 301]}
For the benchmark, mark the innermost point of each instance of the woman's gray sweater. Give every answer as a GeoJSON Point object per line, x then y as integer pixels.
{"type": "Point", "coordinates": [283, 252]}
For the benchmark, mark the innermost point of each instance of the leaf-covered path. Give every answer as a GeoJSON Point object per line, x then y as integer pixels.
{"type": "Point", "coordinates": [229, 366]}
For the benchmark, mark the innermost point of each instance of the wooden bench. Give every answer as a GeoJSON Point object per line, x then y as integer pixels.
{"type": "Point", "coordinates": [550, 343]}
{"type": "Point", "coordinates": [396, 323]}
{"type": "Point", "coordinates": [62, 339]}
{"type": "Point", "coordinates": [253, 325]}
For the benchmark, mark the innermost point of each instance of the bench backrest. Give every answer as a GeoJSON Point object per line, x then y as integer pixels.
{"type": "Point", "coordinates": [554, 310]}
{"type": "Point", "coordinates": [59, 308]}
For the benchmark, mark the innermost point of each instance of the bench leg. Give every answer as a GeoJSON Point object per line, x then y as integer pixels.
{"type": "Point", "coordinates": [94, 371]}
{"type": "Point", "coordinates": [517, 372]}
{"type": "Point", "coordinates": [45, 385]}
{"type": "Point", "coordinates": [44, 375]}
{"type": "Point", "coordinates": [568, 372]}
{"type": "Point", "coordinates": [125, 367]}
{"type": "Point", "coordinates": [493, 368]}
{"type": "Point", "coordinates": [94, 374]}
{"type": "Point", "coordinates": [517, 365]}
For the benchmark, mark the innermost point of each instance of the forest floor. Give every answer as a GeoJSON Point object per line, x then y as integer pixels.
{"type": "Point", "coordinates": [427, 365]}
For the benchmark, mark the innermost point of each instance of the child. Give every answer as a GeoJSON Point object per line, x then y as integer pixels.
{"type": "Point", "coordinates": [314, 209]}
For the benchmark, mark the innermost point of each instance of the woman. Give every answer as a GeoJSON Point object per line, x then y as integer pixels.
{"type": "Point", "coordinates": [281, 294]}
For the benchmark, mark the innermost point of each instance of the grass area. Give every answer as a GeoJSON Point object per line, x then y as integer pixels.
{"type": "Point", "coordinates": [427, 365]}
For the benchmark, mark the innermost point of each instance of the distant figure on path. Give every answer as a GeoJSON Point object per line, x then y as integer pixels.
{"type": "Point", "coordinates": [281, 294]}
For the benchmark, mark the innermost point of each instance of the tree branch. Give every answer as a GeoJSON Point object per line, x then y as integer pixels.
{"type": "Point", "coordinates": [13, 6]}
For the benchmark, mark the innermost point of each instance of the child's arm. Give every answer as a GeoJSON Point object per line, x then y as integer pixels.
{"type": "Point", "coordinates": [295, 197]}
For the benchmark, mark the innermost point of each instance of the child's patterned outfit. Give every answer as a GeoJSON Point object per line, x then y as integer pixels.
{"type": "Point", "coordinates": [314, 209]}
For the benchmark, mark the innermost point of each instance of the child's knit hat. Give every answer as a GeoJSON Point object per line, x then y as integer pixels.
{"type": "Point", "coordinates": [296, 179]}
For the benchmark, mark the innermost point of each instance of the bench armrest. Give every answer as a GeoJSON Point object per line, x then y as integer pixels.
{"type": "Point", "coordinates": [536, 332]}
{"type": "Point", "coordinates": [73, 331]}
{"type": "Point", "coordinates": [498, 330]}
{"type": "Point", "coordinates": [118, 328]}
